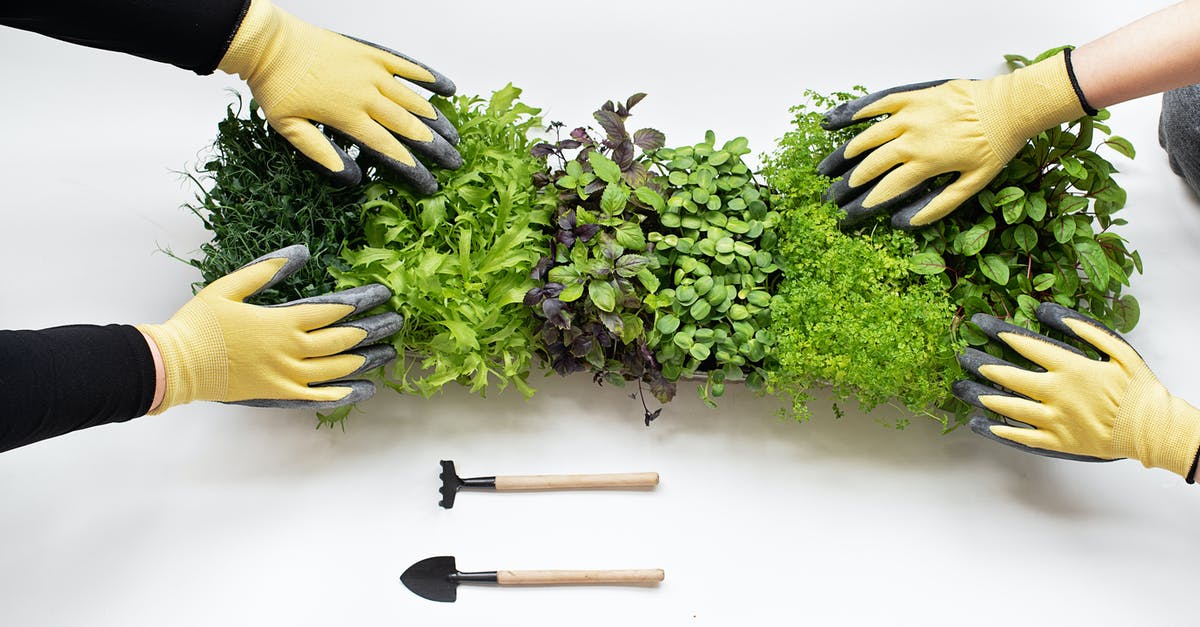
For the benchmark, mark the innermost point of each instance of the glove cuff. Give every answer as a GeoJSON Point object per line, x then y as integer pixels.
{"type": "Point", "coordinates": [195, 361]}
{"type": "Point", "coordinates": [1026, 102]}
{"type": "Point", "coordinates": [263, 49]}
{"type": "Point", "coordinates": [1156, 428]}
{"type": "Point", "coordinates": [251, 40]}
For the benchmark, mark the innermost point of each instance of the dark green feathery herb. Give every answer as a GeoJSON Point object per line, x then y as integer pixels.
{"type": "Point", "coordinates": [257, 196]}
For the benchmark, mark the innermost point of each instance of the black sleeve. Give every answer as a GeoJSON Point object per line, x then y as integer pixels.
{"type": "Point", "coordinates": [192, 34]}
{"type": "Point", "coordinates": [60, 380]}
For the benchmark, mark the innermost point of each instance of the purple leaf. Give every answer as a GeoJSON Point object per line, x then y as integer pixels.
{"type": "Point", "coordinates": [612, 124]}
{"type": "Point", "coordinates": [637, 175]}
{"type": "Point", "coordinates": [662, 389]}
{"type": "Point", "coordinates": [566, 221]}
{"type": "Point", "coordinates": [649, 139]}
{"type": "Point", "coordinates": [623, 155]}
{"type": "Point", "coordinates": [595, 186]}
{"type": "Point", "coordinates": [652, 415]}
{"type": "Point", "coordinates": [569, 144]}
{"type": "Point", "coordinates": [634, 99]}
{"type": "Point", "coordinates": [541, 179]}
{"type": "Point", "coordinates": [566, 238]}
{"type": "Point", "coordinates": [586, 232]}
{"type": "Point", "coordinates": [552, 290]}
{"type": "Point", "coordinates": [542, 150]}
{"type": "Point", "coordinates": [608, 106]}
{"type": "Point", "coordinates": [604, 337]}
{"type": "Point", "coordinates": [534, 296]}
{"type": "Point", "coordinates": [580, 134]}
{"type": "Point", "coordinates": [540, 269]}
{"type": "Point", "coordinates": [553, 308]}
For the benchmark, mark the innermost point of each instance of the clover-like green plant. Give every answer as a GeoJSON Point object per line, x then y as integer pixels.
{"type": "Point", "coordinates": [713, 228]}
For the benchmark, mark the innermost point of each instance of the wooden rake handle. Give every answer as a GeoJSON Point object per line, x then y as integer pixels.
{"type": "Point", "coordinates": [571, 482]}
{"type": "Point", "coordinates": [578, 577]}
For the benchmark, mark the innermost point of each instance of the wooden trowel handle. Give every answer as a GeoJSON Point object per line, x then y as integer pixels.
{"type": "Point", "coordinates": [562, 577]}
{"type": "Point", "coordinates": [569, 482]}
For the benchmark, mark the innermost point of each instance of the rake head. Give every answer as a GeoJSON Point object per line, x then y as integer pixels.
{"type": "Point", "coordinates": [450, 484]}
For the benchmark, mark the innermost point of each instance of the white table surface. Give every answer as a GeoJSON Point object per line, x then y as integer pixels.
{"type": "Point", "coordinates": [221, 515]}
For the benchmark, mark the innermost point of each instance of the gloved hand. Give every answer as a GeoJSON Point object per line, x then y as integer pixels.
{"type": "Point", "coordinates": [1078, 407]}
{"type": "Point", "coordinates": [296, 354]}
{"type": "Point", "coordinates": [971, 128]}
{"type": "Point", "coordinates": [303, 75]}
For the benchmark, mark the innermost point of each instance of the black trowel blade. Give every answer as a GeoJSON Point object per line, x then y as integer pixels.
{"type": "Point", "coordinates": [430, 578]}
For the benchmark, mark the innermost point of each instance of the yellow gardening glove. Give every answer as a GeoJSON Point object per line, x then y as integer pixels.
{"type": "Point", "coordinates": [303, 75]}
{"type": "Point", "coordinates": [296, 354]}
{"type": "Point", "coordinates": [969, 128]}
{"type": "Point", "coordinates": [1078, 407]}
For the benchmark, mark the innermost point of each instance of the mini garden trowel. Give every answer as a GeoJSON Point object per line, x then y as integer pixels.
{"type": "Point", "coordinates": [437, 578]}
{"type": "Point", "coordinates": [452, 483]}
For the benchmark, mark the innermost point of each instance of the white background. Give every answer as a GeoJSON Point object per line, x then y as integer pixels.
{"type": "Point", "coordinates": [219, 515]}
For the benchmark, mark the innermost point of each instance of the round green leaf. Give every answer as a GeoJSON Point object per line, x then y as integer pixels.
{"type": "Point", "coordinates": [700, 309]}
{"type": "Point", "coordinates": [971, 333]}
{"type": "Point", "coordinates": [994, 268]}
{"type": "Point", "coordinates": [685, 295]}
{"type": "Point", "coordinates": [1043, 282]}
{"type": "Point", "coordinates": [972, 240]}
{"type": "Point", "coordinates": [1126, 312]}
{"type": "Point", "coordinates": [703, 285]}
{"type": "Point", "coordinates": [926, 263]}
{"type": "Point", "coordinates": [1036, 206]}
{"type": "Point", "coordinates": [716, 218]}
{"type": "Point", "coordinates": [1008, 195]}
{"type": "Point", "coordinates": [1026, 237]}
{"type": "Point", "coordinates": [759, 298]}
{"type": "Point", "coordinates": [1063, 229]}
{"type": "Point", "coordinates": [667, 324]}
{"type": "Point", "coordinates": [734, 225]}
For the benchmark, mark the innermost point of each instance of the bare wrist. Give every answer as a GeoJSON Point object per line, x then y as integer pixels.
{"type": "Point", "coordinates": [160, 376]}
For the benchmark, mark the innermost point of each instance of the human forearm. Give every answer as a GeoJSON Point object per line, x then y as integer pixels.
{"type": "Point", "coordinates": [191, 35]}
{"type": "Point", "coordinates": [60, 380]}
{"type": "Point", "coordinates": [1154, 54]}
